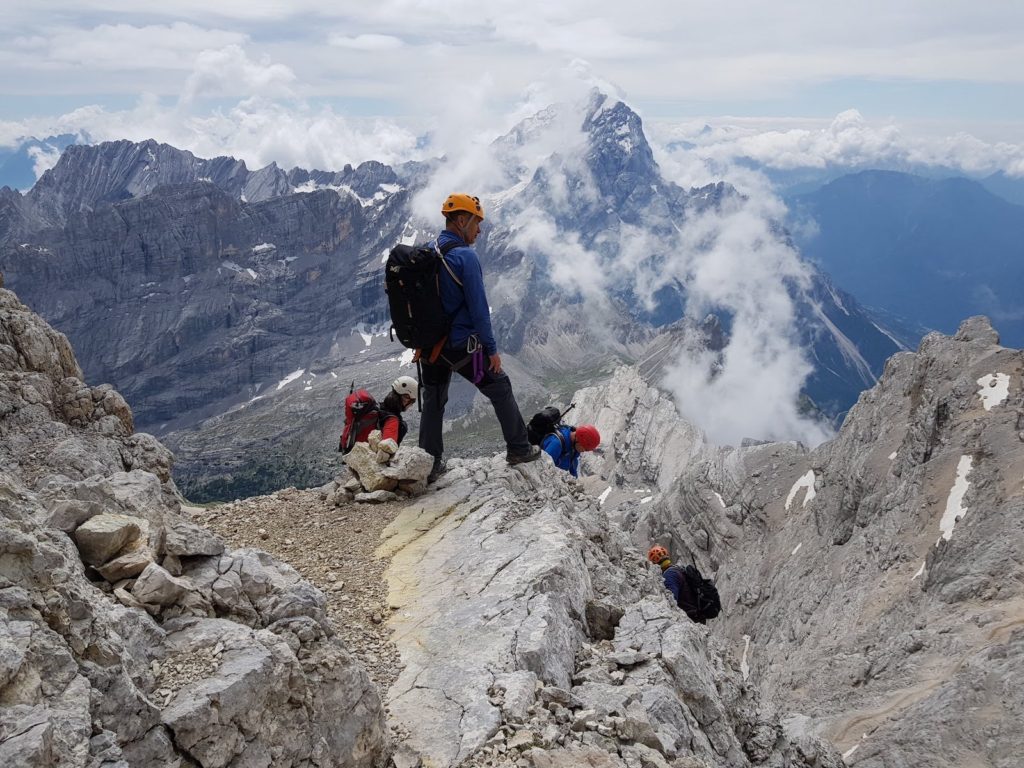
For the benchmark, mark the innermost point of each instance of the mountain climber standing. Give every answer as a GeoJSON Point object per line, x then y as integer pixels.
{"type": "Point", "coordinates": [565, 444]}
{"type": "Point", "coordinates": [469, 341]}
{"type": "Point", "coordinates": [696, 595]}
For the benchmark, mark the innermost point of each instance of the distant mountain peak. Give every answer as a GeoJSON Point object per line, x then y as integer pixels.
{"type": "Point", "coordinates": [618, 144]}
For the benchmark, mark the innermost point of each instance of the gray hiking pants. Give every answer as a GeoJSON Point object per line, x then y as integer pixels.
{"type": "Point", "coordinates": [496, 387]}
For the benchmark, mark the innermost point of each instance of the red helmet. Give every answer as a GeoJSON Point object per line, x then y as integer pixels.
{"type": "Point", "coordinates": [657, 553]}
{"type": "Point", "coordinates": [587, 437]}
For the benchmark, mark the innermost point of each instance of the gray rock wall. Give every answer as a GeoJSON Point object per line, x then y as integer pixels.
{"type": "Point", "coordinates": [871, 587]}
{"type": "Point", "coordinates": [128, 635]}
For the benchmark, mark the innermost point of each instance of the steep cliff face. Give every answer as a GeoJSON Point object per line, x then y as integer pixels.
{"type": "Point", "coordinates": [873, 586]}
{"type": "Point", "coordinates": [128, 635]}
{"type": "Point", "coordinates": [200, 296]}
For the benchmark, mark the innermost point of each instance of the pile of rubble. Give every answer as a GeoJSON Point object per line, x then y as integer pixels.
{"type": "Point", "coordinates": [376, 476]}
{"type": "Point", "coordinates": [129, 636]}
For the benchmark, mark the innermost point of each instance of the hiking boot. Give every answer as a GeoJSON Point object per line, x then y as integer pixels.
{"type": "Point", "coordinates": [439, 468]}
{"type": "Point", "coordinates": [521, 458]}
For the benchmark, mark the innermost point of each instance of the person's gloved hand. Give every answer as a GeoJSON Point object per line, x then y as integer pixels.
{"type": "Point", "coordinates": [385, 450]}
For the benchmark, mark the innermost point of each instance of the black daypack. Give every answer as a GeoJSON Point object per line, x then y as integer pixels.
{"type": "Point", "coordinates": [706, 602]}
{"type": "Point", "coordinates": [412, 283]}
{"type": "Point", "coordinates": [546, 422]}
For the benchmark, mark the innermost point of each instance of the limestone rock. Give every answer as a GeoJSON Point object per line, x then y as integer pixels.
{"type": "Point", "coordinates": [103, 536]}
{"type": "Point", "coordinates": [68, 514]}
{"type": "Point", "coordinates": [519, 691]}
{"type": "Point", "coordinates": [363, 462]}
{"type": "Point", "coordinates": [185, 539]}
{"type": "Point", "coordinates": [127, 565]}
{"type": "Point", "coordinates": [260, 688]}
{"type": "Point", "coordinates": [155, 586]}
{"type": "Point", "coordinates": [914, 563]}
{"type": "Point", "coordinates": [375, 497]}
{"type": "Point", "coordinates": [480, 639]}
{"type": "Point", "coordinates": [409, 465]}
{"type": "Point", "coordinates": [86, 674]}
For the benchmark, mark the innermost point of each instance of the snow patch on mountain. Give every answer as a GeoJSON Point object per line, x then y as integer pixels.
{"type": "Point", "coordinates": [848, 349]}
{"type": "Point", "coordinates": [955, 509]}
{"type": "Point", "coordinates": [290, 378]}
{"type": "Point", "coordinates": [995, 388]}
{"type": "Point", "coordinates": [806, 481]}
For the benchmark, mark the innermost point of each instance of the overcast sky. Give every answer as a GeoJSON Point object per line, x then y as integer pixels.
{"type": "Point", "coordinates": [192, 68]}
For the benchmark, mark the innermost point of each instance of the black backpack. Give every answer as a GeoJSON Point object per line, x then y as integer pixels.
{"type": "Point", "coordinates": [546, 422]}
{"type": "Point", "coordinates": [412, 282]}
{"type": "Point", "coordinates": [707, 604]}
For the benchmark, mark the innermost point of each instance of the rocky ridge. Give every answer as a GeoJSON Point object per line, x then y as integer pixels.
{"type": "Point", "coordinates": [530, 629]}
{"type": "Point", "coordinates": [874, 584]}
{"type": "Point", "coordinates": [532, 633]}
{"type": "Point", "coordinates": [130, 636]}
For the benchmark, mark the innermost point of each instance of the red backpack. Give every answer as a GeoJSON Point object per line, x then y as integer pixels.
{"type": "Point", "coordinates": [361, 418]}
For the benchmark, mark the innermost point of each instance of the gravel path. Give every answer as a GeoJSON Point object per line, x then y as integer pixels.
{"type": "Point", "coordinates": [333, 548]}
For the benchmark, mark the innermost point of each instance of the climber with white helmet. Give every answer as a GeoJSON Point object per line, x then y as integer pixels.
{"type": "Point", "coordinates": [404, 391]}
{"type": "Point", "coordinates": [363, 415]}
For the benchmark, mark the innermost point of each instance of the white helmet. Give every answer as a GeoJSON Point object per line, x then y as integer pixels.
{"type": "Point", "coordinates": [406, 385]}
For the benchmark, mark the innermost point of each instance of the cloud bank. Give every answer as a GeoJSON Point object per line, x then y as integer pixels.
{"type": "Point", "coordinates": [847, 141]}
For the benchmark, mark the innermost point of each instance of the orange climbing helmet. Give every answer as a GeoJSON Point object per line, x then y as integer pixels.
{"type": "Point", "coordinates": [587, 437]}
{"type": "Point", "coordinates": [657, 553]}
{"type": "Point", "coordinates": [458, 201]}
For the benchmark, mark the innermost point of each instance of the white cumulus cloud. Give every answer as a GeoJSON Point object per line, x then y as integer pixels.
{"type": "Point", "coordinates": [847, 141]}
{"type": "Point", "coordinates": [229, 71]}
{"type": "Point", "coordinates": [43, 159]}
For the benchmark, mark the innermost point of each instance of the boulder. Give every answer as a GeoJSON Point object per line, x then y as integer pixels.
{"type": "Point", "coordinates": [410, 464]}
{"type": "Point", "coordinates": [185, 539]}
{"type": "Point", "coordinates": [363, 462]}
{"type": "Point", "coordinates": [127, 565]}
{"type": "Point", "coordinates": [376, 497]}
{"type": "Point", "coordinates": [68, 514]}
{"type": "Point", "coordinates": [270, 707]}
{"type": "Point", "coordinates": [157, 587]}
{"type": "Point", "coordinates": [103, 536]}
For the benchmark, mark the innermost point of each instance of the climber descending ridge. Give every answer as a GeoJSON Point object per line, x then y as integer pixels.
{"type": "Point", "coordinates": [696, 595]}
{"type": "Point", "coordinates": [565, 444]}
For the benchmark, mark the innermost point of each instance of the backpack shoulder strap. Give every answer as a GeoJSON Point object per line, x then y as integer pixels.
{"type": "Point", "coordinates": [442, 251]}
{"type": "Point", "coordinates": [561, 439]}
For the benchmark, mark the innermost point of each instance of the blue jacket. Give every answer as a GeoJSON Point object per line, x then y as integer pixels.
{"type": "Point", "coordinates": [676, 583]}
{"type": "Point", "coordinates": [466, 306]}
{"type": "Point", "coordinates": [562, 451]}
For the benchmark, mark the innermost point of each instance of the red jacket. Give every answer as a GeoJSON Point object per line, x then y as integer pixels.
{"type": "Point", "coordinates": [391, 427]}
